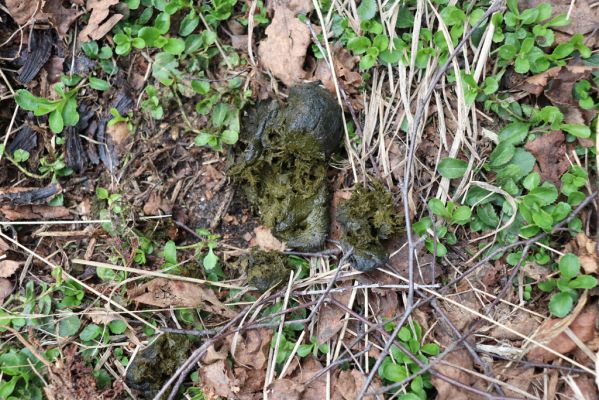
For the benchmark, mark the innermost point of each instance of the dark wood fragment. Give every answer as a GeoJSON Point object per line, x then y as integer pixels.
{"type": "Point", "coordinates": [22, 196]}
{"type": "Point", "coordinates": [38, 54]}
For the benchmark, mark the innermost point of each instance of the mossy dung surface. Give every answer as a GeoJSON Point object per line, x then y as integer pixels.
{"type": "Point", "coordinates": [283, 168]}
{"type": "Point", "coordinates": [156, 363]}
{"type": "Point", "coordinates": [265, 268]}
{"type": "Point", "coordinates": [367, 218]}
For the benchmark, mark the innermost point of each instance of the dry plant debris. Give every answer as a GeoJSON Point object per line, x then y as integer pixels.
{"type": "Point", "coordinates": [187, 205]}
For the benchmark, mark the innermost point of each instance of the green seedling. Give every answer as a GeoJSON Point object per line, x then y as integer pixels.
{"type": "Point", "coordinates": [568, 284]}
{"type": "Point", "coordinates": [312, 348]}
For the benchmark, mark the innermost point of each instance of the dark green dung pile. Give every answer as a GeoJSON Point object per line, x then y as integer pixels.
{"type": "Point", "coordinates": [283, 167]}
{"type": "Point", "coordinates": [367, 218]}
{"type": "Point", "coordinates": [152, 366]}
{"type": "Point", "coordinates": [265, 268]}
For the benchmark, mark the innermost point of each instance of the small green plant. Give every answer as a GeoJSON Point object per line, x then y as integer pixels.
{"type": "Point", "coordinates": [62, 112]}
{"type": "Point", "coordinates": [398, 365]}
{"type": "Point", "coordinates": [117, 118]}
{"type": "Point", "coordinates": [152, 104]}
{"type": "Point", "coordinates": [568, 284]}
{"type": "Point", "coordinates": [313, 347]}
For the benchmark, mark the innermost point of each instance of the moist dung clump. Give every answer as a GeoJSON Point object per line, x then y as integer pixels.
{"type": "Point", "coordinates": [152, 366]}
{"type": "Point", "coordinates": [265, 268]}
{"type": "Point", "coordinates": [283, 167]}
{"type": "Point", "coordinates": [367, 218]}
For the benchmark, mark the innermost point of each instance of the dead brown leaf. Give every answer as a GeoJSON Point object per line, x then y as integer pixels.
{"type": "Point", "coordinates": [349, 79]}
{"type": "Point", "coordinates": [217, 380]}
{"type": "Point", "coordinates": [252, 348]}
{"type": "Point", "coordinates": [518, 320]}
{"type": "Point", "coordinates": [583, 326]}
{"type": "Point", "coordinates": [13, 213]}
{"type": "Point", "coordinates": [536, 84]}
{"type": "Point", "coordinates": [283, 51]}
{"type": "Point", "coordinates": [6, 289]}
{"type": "Point", "coordinates": [316, 389]}
{"type": "Point", "coordinates": [286, 389]}
{"type": "Point", "coordinates": [349, 383]}
{"type": "Point", "coordinates": [161, 292]}
{"type": "Point", "coordinates": [119, 133]}
{"type": "Point", "coordinates": [98, 26]}
{"type": "Point", "coordinates": [103, 317]}
{"type": "Point", "coordinates": [156, 203]}
{"type": "Point", "coordinates": [4, 247]}
{"type": "Point", "coordinates": [8, 267]}
{"type": "Point", "coordinates": [23, 11]}
{"type": "Point", "coordinates": [265, 240]}
{"type": "Point", "coordinates": [445, 390]}
{"type": "Point", "coordinates": [60, 17]}
{"type": "Point", "coordinates": [582, 385]}
{"type": "Point", "coordinates": [330, 317]}
{"type": "Point", "coordinates": [586, 249]}
{"type": "Point", "coordinates": [550, 151]}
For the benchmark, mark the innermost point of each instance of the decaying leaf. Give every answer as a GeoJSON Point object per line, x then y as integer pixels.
{"type": "Point", "coordinates": [313, 389]}
{"type": "Point", "coordinates": [286, 389]}
{"type": "Point", "coordinates": [283, 51]}
{"type": "Point", "coordinates": [36, 55]}
{"type": "Point", "coordinates": [6, 289]}
{"type": "Point", "coordinates": [217, 380]}
{"type": "Point", "coordinates": [515, 319]}
{"type": "Point", "coordinates": [550, 151]}
{"type": "Point", "coordinates": [349, 383]}
{"type": "Point", "coordinates": [445, 390]}
{"type": "Point", "coordinates": [103, 317]}
{"type": "Point", "coordinates": [251, 348]}
{"type": "Point", "coordinates": [583, 326]}
{"type": "Point", "coordinates": [98, 26]}
{"type": "Point", "coordinates": [157, 204]}
{"type": "Point", "coordinates": [265, 240]}
{"type": "Point", "coordinates": [60, 17]}
{"type": "Point", "coordinates": [349, 79]}
{"type": "Point", "coordinates": [330, 317]}
{"type": "Point", "coordinates": [23, 11]}
{"type": "Point", "coordinates": [4, 247]}
{"type": "Point", "coordinates": [536, 84]}
{"type": "Point", "coordinates": [586, 249]}
{"type": "Point", "coordinates": [161, 292]}
{"type": "Point", "coordinates": [8, 267]}
{"type": "Point", "coordinates": [34, 212]}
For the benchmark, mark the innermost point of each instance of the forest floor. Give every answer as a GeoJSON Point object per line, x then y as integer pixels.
{"type": "Point", "coordinates": [130, 231]}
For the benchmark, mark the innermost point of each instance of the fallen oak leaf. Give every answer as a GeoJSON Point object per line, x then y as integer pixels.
{"type": "Point", "coordinates": [8, 268]}
{"type": "Point", "coordinates": [216, 380]}
{"type": "Point", "coordinates": [24, 11]}
{"type": "Point", "coordinates": [60, 17]}
{"type": "Point", "coordinates": [349, 383]}
{"type": "Point", "coordinates": [536, 84]}
{"type": "Point", "coordinates": [283, 52]}
{"type": "Point", "coordinates": [34, 212]}
{"type": "Point", "coordinates": [97, 27]}
{"type": "Point", "coordinates": [161, 292]}
{"type": "Point", "coordinates": [550, 152]}
{"type": "Point", "coordinates": [583, 327]}
{"type": "Point", "coordinates": [286, 389]}
{"type": "Point", "coordinates": [6, 289]}
{"type": "Point", "coordinates": [251, 348]}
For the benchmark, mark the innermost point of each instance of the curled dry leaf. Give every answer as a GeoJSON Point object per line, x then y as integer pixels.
{"type": "Point", "coordinates": [217, 380]}
{"type": "Point", "coordinates": [445, 390]}
{"type": "Point", "coordinates": [550, 151]}
{"type": "Point", "coordinates": [4, 247]}
{"type": "Point", "coordinates": [536, 84]}
{"type": "Point", "coordinates": [161, 292]}
{"type": "Point", "coordinates": [8, 267]}
{"type": "Point", "coordinates": [6, 289]}
{"type": "Point", "coordinates": [283, 52]}
{"type": "Point", "coordinates": [286, 389]}
{"type": "Point", "coordinates": [23, 11]}
{"type": "Point", "coordinates": [316, 389]}
{"type": "Point", "coordinates": [12, 213]}
{"type": "Point", "coordinates": [103, 317]}
{"type": "Point", "coordinates": [586, 249]}
{"type": "Point", "coordinates": [518, 320]}
{"type": "Point", "coordinates": [349, 79]}
{"type": "Point", "coordinates": [156, 203]}
{"type": "Point", "coordinates": [251, 349]}
{"type": "Point", "coordinates": [265, 240]}
{"type": "Point", "coordinates": [583, 326]}
{"type": "Point", "coordinates": [60, 17]}
{"type": "Point", "coordinates": [97, 27]}
{"type": "Point", "coordinates": [331, 317]}
{"type": "Point", "coordinates": [349, 383]}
